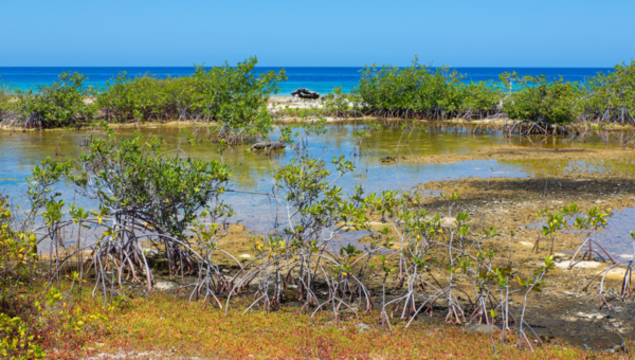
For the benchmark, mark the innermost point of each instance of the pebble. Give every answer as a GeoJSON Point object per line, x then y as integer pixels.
{"type": "Point", "coordinates": [589, 316]}
{"type": "Point", "coordinates": [578, 264]}
{"type": "Point", "coordinates": [164, 285]}
{"type": "Point", "coordinates": [363, 327]}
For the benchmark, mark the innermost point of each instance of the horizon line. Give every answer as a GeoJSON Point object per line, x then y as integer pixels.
{"type": "Point", "coordinates": [305, 66]}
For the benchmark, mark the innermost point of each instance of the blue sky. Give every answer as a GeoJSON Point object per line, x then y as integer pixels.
{"type": "Point", "coordinates": [317, 33]}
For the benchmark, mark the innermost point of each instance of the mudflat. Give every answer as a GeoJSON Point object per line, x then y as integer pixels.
{"type": "Point", "coordinates": [530, 153]}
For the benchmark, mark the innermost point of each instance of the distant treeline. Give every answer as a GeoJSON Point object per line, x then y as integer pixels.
{"type": "Point", "coordinates": [237, 99]}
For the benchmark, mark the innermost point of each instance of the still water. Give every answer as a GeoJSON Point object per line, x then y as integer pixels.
{"type": "Point", "coordinates": [20, 151]}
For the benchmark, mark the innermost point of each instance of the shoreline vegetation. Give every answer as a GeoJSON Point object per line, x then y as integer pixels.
{"type": "Point", "coordinates": [466, 250]}
{"type": "Point", "coordinates": [159, 270]}
{"type": "Point", "coordinates": [239, 102]}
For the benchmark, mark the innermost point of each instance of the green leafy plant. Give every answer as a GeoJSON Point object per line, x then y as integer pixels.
{"type": "Point", "coordinates": [420, 91]}
{"type": "Point", "coordinates": [555, 221]}
{"type": "Point", "coordinates": [18, 258]}
{"type": "Point", "coordinates": [18, 254]}
{"type": "Point", "coordinates": [316, 212]}
{"type": "Point", "coordinates": [233, 97]}
{"type": "Point", "coordinates": [341, 104]}
{"type": "Point", "coordinates": [594, 220]}
{"type": "Point", "coordinates": [67, 102]}
{"type": "Point", "coordinates": [544, 103]}
{"type": "Point", "coordinates": [610, 96]}
{"type": "Point", "coordinates": [5, 102]}
{"type": "Point", "coordinates": [146, 197]}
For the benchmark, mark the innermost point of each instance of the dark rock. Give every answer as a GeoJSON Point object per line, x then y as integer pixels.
{"type": "Point", "coordinates": [305, 94]}
{"type": "Point", "coordinates": [268, 145]}
{"type": "Point", "coordinates": [390, 159]}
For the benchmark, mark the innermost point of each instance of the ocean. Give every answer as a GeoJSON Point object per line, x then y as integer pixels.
{"type": "Point", "coordinates": [320, 79]}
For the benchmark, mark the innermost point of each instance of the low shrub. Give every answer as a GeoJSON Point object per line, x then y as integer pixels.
{"type": "Point", "coordinates": [67, 102]}
{"type": "Point", "coordinates": [414, 91]}
{"type": "Point", "coordinates": [610, 97]}
{"type": "Point", "coordinates": [5, 101]}
{"type": "Point", "coordinates": [18, 254]}
{"type": "Point", "coordinates": [232, 96]}
{"type": "Point", "coordinates": [420, 91]}
{"type": "Point", "coordinates": [542, 101]}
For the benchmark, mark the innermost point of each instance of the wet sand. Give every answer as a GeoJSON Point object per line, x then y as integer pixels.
{"type": "Point", "coordinates": [530, 153]}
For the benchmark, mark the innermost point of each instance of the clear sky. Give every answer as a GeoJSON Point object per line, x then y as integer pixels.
{"type": "Point", "coordinates": [555, 33]}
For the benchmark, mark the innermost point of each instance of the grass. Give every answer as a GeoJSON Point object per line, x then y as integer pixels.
{"type": "Point", "coordinates": [167, 325]}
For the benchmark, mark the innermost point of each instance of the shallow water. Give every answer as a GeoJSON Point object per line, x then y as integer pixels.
{"type": "Point", "coordinates": [20, 151]}
{"type": "Point", "coordinates": [615, 237]}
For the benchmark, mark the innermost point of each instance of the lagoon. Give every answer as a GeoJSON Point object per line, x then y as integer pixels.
{"type": "Point", "coordinates": [252, 171]}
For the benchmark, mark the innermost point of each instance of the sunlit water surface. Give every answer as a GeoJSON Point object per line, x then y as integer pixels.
{"type": "Point", "coordinates": [20, 151]}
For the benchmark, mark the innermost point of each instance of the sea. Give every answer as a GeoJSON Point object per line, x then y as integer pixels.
{"type": "Point", "coordinates": [320, 79]}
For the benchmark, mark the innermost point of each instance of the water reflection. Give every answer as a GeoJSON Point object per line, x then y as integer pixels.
{"type": "Point", "coordinates": [20, 151]}
{"type": "Point", "coordinates": [615, 237]}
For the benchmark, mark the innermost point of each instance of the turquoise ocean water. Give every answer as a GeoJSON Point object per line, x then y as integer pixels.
{"type": "Point", "coordinates": [320, 79]}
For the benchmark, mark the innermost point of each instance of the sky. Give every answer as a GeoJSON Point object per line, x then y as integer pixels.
{"type": "Point", "coordinates": [460, 33]}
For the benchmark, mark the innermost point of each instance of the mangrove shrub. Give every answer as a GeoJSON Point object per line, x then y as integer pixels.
{"type": "Point", "coordinates": [233, 96]}
{"type": "Point", "coordinates": [424, 92]}
{"type": "Point", "coordinates": [138, 186]}
{"type": "Point", "coordinates": [67, 102]}
{"type": "Point", "coordinates": [542, 101]}
{"type": "Point", "coordinates": [611, 97]}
